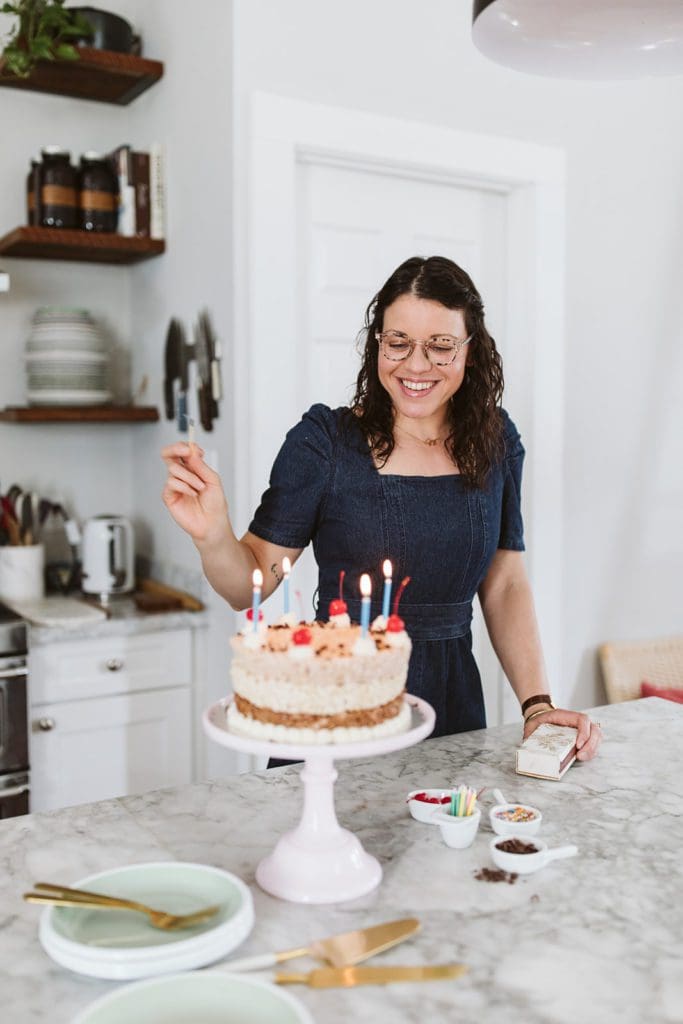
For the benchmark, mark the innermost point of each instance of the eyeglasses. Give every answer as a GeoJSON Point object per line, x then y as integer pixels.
{"type": "Point", "coordinates": [440, 349]}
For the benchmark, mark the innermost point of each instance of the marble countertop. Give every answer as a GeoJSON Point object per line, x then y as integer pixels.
{"type": "Point", "coordinates": [598, 938]}
{"type": "Point", "coordinates": [124, 619]}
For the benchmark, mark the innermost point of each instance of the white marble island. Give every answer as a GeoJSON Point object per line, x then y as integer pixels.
{"type": "Point", "coordinates": [597, 938]}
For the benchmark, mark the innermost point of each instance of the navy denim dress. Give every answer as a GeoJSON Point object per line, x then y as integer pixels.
{"type": "Point", "coordinates": [324, 487]}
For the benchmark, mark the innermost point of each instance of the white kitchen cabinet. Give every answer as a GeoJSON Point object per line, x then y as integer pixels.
{"type": "Point", "coordinates": [109, 717]}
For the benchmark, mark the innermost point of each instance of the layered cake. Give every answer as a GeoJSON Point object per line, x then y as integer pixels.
{"type": "Point", "coordinates": [320, 682]}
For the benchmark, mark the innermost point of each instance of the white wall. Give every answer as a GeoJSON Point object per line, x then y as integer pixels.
{"type": "Point", "coordinates": [623, 551]}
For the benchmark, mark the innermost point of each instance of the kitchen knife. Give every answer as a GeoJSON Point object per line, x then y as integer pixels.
{"type": "Point", "coordinates": [171, 369]}
{"type": "Point", "coordinates": [183, 376]}
{"type": "Point", "coordinates": [201, 354]}
{"type": "Point", "coordinates": [347, 948]}
{"type": "Point", "coordinates": [214, 359]}
{"type": "Point", "coordinates": [347, 977]}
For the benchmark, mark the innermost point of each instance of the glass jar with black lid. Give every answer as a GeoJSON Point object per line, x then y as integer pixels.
{"type": "Point", "coordinates": [98, 193]}
{"type": "Point", "coordinates": [59, 189]}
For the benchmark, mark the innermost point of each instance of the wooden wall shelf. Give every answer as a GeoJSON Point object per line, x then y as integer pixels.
{"type": "Point", "coordinates": [87, 246]}
{"type": "Point", "coordinates": [100, 75]}
{"type": "Point", "coordinates": [79, 414]}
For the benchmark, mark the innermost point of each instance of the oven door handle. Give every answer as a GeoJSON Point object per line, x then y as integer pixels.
{"type": "Point", "coordinates": [10, 673]}
{"type": "Point", "coordinates": [13, 791]}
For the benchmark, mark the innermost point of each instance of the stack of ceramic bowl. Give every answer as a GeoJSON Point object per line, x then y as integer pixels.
{"type": "Point", "coordinates": [67, 362]}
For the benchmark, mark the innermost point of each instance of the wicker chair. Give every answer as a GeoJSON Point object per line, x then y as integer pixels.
{"type": "Point", "coordinates": [626, 665]}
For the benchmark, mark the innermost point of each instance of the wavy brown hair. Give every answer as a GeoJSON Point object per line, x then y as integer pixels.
{"type": "Point", "coordinates": [475, 439]}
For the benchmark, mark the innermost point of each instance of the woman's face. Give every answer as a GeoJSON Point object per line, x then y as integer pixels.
{"type": "Point", "coordinates": [417, 388]}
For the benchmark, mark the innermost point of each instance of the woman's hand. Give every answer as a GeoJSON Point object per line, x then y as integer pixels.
{"type": "Point", "coordinates": [588, 736]}
{"type": "Point", "coordinates": [193, 494]}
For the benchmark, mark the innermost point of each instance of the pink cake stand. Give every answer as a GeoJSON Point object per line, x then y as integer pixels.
{"type": "Point", "coordinates": [319, 861]}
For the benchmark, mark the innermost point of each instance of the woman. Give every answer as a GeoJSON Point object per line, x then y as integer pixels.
{"type": "Point", "coordinates": [424, 469]}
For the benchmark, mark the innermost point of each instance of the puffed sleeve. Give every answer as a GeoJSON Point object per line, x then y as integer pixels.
{"type": "Point", "coordinates": [299, 481]}
{"type": "Point", "coordinates": [511, 525]}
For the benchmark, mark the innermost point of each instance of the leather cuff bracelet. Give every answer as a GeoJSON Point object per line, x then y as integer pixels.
{"type": "Point", "coordinates": [539, 698]}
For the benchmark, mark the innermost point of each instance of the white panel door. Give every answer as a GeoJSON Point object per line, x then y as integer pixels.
{"type": "Point", "coordinates": [354, 227]}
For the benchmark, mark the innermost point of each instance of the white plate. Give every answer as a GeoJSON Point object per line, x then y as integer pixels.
{"type": "Point", "coordinates": [123, 945]}
{"type": "Point", "coordinates": [208, 998]}
{"type": "Point", "coordinates": [67, 396]}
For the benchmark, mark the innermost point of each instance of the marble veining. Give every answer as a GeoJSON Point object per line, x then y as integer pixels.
{"type": "Point", "coordinates": [598, 938]}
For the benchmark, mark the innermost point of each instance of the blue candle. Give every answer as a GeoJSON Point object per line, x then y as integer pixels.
{"type": "Point", "coordinates": [366, 590]}
{"type": "Point", "coordinates": [257, 580]}
{"type": "Point", "coordinates": [386, 597]}
{"type": "Point", "coordinates": [286, 569]}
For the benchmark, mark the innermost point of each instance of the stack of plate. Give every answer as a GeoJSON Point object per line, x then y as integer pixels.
{"type": "Point", "coordinates": [122, 944]}
{"type": "Point", "coordinates": [67, 362]}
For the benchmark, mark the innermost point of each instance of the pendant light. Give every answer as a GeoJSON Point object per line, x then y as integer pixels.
{"type": "Point", "coordinates": [590, 39]}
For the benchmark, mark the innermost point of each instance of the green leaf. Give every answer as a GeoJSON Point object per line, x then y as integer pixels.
{"type": "Point", "coordinates": [65, 51]}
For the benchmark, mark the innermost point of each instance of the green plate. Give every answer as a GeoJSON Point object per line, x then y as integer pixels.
{"type": "Point", "coordinates": [122, 944]}
{"type": "Point", "coordinates": [208, 998]}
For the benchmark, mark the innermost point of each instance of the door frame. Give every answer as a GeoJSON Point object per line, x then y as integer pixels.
{"type": "Point", "coordinates": [280, 134]}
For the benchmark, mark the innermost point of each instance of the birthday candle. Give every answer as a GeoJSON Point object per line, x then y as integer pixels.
{"type": "Point", "coordinates": [286, 569]}
{"type": "Point", "coordinates": [257, 581]}
{"type": "Point", "coordinates": [386, 597]}
{"type": "Point", "coordinates": [366, 590]}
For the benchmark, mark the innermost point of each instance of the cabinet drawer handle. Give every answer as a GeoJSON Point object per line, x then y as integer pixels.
{"type": "Point", "coordinates": [45, 724]}
{"type": "Point", "coordinates": [115, 664]}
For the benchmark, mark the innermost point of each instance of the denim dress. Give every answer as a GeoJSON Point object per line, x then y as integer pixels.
{"type": "Point", "coordinates": [325, 488]}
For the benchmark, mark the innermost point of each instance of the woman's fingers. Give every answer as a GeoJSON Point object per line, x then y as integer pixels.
{"type": "Point", "coordinates": [590, 747]}
{"type": "Point", "coordinates": [588, 734]}
{"type": "Point", "coordinates": [178, 471]}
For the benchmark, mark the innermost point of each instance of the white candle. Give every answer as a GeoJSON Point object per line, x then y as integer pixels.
{"type": "Point", "coordinates": [257, 581]}
{"type": "Point", "coordinates": [386, 597]}
{"type": "Point", "coordinates": [286, 569]}
{"type": "Point", "coordinates": [366, 591]}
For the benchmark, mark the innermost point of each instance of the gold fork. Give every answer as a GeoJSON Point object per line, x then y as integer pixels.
{"type": "Point", "coordinates": [62, 896]}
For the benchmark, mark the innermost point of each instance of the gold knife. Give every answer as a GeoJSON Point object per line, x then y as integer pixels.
{"type": "Point", "coordinates": [347, 977]}
{"type": "Point", "coordinates": [348, 948]}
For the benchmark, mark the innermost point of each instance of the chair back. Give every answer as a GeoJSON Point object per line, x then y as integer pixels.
{"type": "Point", "coordinates": [625, 665]}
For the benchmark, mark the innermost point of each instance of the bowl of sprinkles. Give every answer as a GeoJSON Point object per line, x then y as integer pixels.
{"type": "Point", "coordinates": [515, 819]}
{"type": "Point", "coordinates": [423, 802]}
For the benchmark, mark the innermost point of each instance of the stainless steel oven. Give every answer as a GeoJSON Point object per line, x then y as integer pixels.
{"type": "Point", "coordinates": [14, 751]}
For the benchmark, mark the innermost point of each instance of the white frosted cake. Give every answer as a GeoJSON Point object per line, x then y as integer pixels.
{"type": "Point", "coordinates": [320, 683]}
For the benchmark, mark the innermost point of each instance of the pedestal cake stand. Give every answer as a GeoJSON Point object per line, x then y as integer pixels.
{"type": "Point", "coordinates": [319, 861]}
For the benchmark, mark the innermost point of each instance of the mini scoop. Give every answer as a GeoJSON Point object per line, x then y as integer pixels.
{"type": "Point", "coordinates": [527, 863]}
{"type": "Point", "coordinates": [513, 819]}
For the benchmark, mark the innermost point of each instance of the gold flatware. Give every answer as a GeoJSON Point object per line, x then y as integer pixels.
{"type": "Point", "coordinates": [347, 977]}
{"type": "Point", "coordinates": [339, 950]}
{"type": "Point", "coordinates": [63, 896]}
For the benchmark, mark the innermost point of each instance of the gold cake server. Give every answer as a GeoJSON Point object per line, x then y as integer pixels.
{"type": "Point", "coordinates": [347, 948]}
{"type": "Point", "coordinates": [347, 977]}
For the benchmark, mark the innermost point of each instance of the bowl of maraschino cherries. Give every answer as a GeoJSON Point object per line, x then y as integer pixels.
{"type": "Point", "coordinates": [423, 802]}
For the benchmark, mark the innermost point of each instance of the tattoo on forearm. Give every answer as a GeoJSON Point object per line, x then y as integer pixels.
{"type": "Point", "coordinates": [276, 573]}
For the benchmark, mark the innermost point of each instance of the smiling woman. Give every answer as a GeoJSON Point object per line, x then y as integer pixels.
{"type": "Point", "coordinates": [424, 468]}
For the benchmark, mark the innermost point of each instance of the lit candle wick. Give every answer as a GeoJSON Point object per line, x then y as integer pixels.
{"type": "Point", "coordinates": [257, 582]}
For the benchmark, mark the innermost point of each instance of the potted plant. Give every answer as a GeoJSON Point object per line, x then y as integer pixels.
{"type": "Point", "coordinates": [45, 30]}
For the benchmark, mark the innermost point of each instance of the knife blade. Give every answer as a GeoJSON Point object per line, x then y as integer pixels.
{"type": "Point", "coordinates": [348, 977]}
{"type": "Point", "coordinates": [171, 369]}
{"type": "Point", "coordinates": [183, 376]}
{"type": "Point", "coordinates": [214, 360]}
{"type": "Point", "coordinates": [201, 352]}
{"type": "Point", "coordinates": [339, 950]}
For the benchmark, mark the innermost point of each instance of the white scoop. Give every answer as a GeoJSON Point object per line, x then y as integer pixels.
{"type": "Point", "coordinates": [526, 863]}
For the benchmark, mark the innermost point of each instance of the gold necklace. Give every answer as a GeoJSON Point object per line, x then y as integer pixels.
{"type": "Point", "coordinates": [430, 441]}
